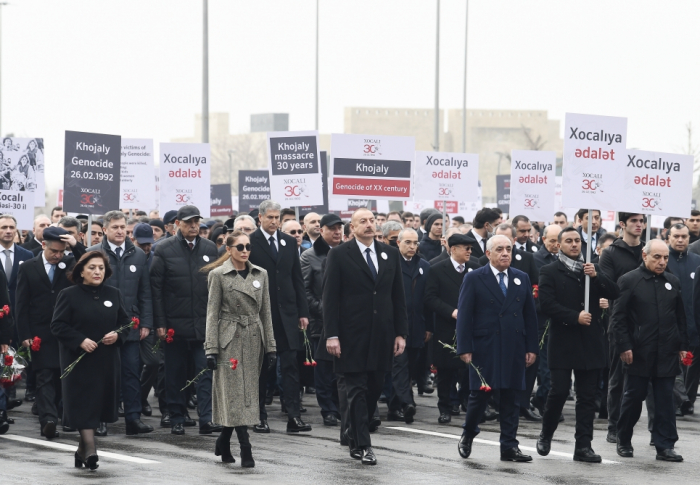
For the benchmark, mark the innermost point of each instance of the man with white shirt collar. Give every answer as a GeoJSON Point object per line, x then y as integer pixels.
{"type": "Point", "coordinates": [523, 226]}
{"type": "Point", "coordinates": [582, 218]}
{"type": "Point", "coordinates": [130, 275]}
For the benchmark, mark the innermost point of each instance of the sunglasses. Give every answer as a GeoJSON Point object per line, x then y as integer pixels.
{"type": "Point", "coordinates": [241, 247]}
{"type": "Point", "coordinates": [294, 232]}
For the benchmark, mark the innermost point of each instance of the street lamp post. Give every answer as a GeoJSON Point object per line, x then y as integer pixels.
{"type": "Point", "coordinates": [464, 99]}
{"type": "Point", "coordinates": [205, 74]}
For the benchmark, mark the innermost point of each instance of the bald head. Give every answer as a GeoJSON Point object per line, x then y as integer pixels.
{"type": "Point", "coordinates": [550, 237]}
{"type": "Point", "coordinates": [312, 225]}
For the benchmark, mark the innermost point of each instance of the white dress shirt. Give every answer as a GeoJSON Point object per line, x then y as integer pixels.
{"type": "Point", "coordinates": [495, 273]}
{"type": "Point", "coordinates": [584, 236]}
{"type": "Point", "coordinates": [47, 265]}
{"type": "Point", "coordinates": [372, 254]}
{"type": "Point", "coordinates": [479, 241]}
{"type": "Point", "coordinates": [114, 247]}
{"type": "Point", "coordinates": [274, 235]}
{"type": "Point", "coordinates": [8, 271]}
{"type": "Point", "coordinates": [457, 265]}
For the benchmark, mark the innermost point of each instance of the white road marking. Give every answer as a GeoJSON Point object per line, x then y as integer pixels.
{"type": "Point", "coordinates": [492, 443]}
{"type": "Point", "coordinates": [72, 448]}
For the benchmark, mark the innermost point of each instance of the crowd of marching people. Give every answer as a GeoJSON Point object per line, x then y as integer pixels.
{"type": "Point", "coordinates": [502, 319]}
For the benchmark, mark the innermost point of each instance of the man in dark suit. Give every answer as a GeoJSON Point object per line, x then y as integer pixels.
{"type": "Point", "coordinates": [523, 226]}
{"type": "Point", "coordinates": [441, 297]}
{"type": "Point", "coordinates": [39, 281]}
{"type": "Point", "coordinates": [364, 320]}
{"type": "Point", "coordinates": [578, 340]}
{"type": "Point", "coordinates": [596, 230]}
{"type": "Point", "coordinates": [549, 252]}
{"type": "Point", "coordinates": [12, 255]}
{"type": "Point", "coordinates": [278, 254]}
{"type": "Point", "coordinates": [293, 228]}
{"type": "Point", "coordinates": [496, 334]}
{"type": "Point", "coordinates": [484, 223]}
{"type": "Point", "coordinates": [41, 222]}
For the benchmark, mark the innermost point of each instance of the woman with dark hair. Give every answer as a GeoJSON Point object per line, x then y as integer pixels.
{"type": "Point", "coordinates": [239, 328]}
{"type": "Point", "coordinates": [217, 234]}
{"type": "Point", "coordinates": [84, 314]}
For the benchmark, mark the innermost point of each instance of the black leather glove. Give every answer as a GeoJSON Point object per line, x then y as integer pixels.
{"type": "Point", "coordinates": [271, 359]}
{"type": "Point", "coordinates": [211, 362]}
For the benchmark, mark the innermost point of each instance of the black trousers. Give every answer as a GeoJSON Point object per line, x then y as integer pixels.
{"type": "Point", "coordinates": [342, 404]}
{"type": "Point", "coordinates": [176, 354]}
{"type": "Point", "coordinates": [508, 409]}
{"type": "Point", "coordinates": [326, 386]}
{"type": "Point", "coordinates": [616, 382]}
{"type": "Point", "coordinates": [131, 380]}
{"type": "Point", "coordinates": [289, 367]}
{"type": "Point", "coordinates": [664, 429]}
{"type": "Point", "coordinates": [48, 394]}
{"type": "Point", "coordinates": [530, 378]}
{"type": "Point", "coordinates": [153, 372]}
{"type": "Point", "coordinates": [586, 389]}
{"type": "Point", "coordinates": [692, 376]}
{"type": "Point", "coordinates": [363, 390]}
{"type": "Point", "coordinates": [403, 371]}
{"type": "Point", "coordinates": [446, 379]}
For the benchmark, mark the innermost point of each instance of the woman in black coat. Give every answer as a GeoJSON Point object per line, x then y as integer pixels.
{"type": "Point", "coordinates": [84, 314]}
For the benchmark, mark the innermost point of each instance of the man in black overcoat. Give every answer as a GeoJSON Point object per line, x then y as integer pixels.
{"type": "Point", "coordinates": [441, 297]}
{"type": "Point", "coordinates": [364, 321]}
{"type": "Point", "coordinates": [39, 281]}
{"type": "Point", "coordinates": [649, 325]}
{"type": "Point", "coordinates": [577, 340]}
{"type": "Point", "coordinates": [277, 253]}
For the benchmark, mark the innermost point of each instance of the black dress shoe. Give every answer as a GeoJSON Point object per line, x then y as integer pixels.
{"type": "Point", "coordinates": [30, 395]}
{"type": "Point", "coordinates": [530, 415]}
{"type": "Point", "coordinates": [13, 403]}
{"type": "Point", "coordinates": [209, 428]}
{"type": "Point", "coordinates": [490, 415]}
{"type": "Point", "coordinates": [355, 452]}
{"type": "Point", "coordinates": [296, 425]}
{"type": "Point", "coordinates": [191, 404]}
{"type": "Point", "coordinates": [374, 424]}
{"type": "Point", "coordinates": [146, 409]}
{"type": "Point", "coordinates": [368, 457]}
{"type": "Point", "coordinates": [395, 415]}
{"type": "Point", "coordinates": [302, 409]}
{"type": "Point", "coordinates": [454, 411]}
{"type": "Point", "coordinates": [587, 455]}
{"type": "Point", "coordinates": [408, 412]}
{"type": "Point", "coordinates": [35, 409]}
{"type": "Point", "coordinates": [137, 427]}
{"type": "Point", "coordinates": [178, 429]}
{"type": "Point", "coordinates": [101, 430]}
{"type": "Point", "coordinates": [426, 390]}
{"type": "Point", "coordinates": [165, 421]}
{"type": "Point", "coordinates": [189, 422]}
{"type": "Point", "coordinates": [444, 418]}
{"type": "Point", "coordinates": [544, 445]}
{"type": "Point", "coordinates": [688, 408]}
{"type": "Point", "coordinates": [465, 446]}
{"type": "Point", "coordinates": [310, 390]}
{"type": "Point", "coordinates": [68, 429]}
{"type": "Point", "coordinates": [4, 423]}
{"type": "Point", "coordinates": [514, 454]}
{"type": "Point", "coordinates": [261, 427]}
{"type": "Point", "coordinates": [625, 451]}
{"type": "Point", "coordinates": [383, 399]}
{"type": "Point", "coordinates": [668, 454]}
{"type": "Point", "coordinates": [49, 430]}
{"type": "Point", "coordinates": [611, 437]}
{"type": "Point", "coordinates": [330, 420]}
{"type": "Point", "coordinates": [537, 403]}
{"type": "Point", "coordinates": [651, 442]}
{"type": "Point", "coordinates": [120, 410]}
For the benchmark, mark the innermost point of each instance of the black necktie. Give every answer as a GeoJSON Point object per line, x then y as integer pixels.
{"type": "Point", "coordinates": [273, 248]}
{"type": "Point", "coordinates": [191, 245]}
{"type": "Point", "coordinates": [119, 252]}
{"type": "Point", "coordinates": [372, 269]}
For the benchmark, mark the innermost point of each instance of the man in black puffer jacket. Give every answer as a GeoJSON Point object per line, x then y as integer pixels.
{"type": "Point", "coordinates": [180, 296]}
{"type": "Point", "coordinates": [431, 246]}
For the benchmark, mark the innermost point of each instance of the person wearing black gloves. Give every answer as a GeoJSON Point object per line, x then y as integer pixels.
{"type": "Point", "coordinates": [239, 341]}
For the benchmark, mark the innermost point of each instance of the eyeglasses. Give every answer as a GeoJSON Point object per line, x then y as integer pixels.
{"type": "Point", "coordinates": [294, 232]}
{"type": "Point", "coordinates": [241, 247]}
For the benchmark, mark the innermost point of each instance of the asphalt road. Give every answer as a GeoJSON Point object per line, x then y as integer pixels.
{"type": "Point", "coordinates": [422, 452]}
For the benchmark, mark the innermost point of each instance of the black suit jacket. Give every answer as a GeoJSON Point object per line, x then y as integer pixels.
{"type": "Point", "coordinates": [531, 246]}
{"type": "Point", "coordinates": [32, 245]}
{"type": "Point", "coordinates": [543, 258]}
{"type": "Point", "coordinates": [21, 255]}
{"type": "Point", "coordinates": [287, 296]}
{"type": "Point", "coordinates": [34, 304]}
{"type": "Point", "coordinates": [365, 314]}
{"type": "Point", "coordinates": [521, 260]}
{"type": "Point", "coordinates": [477, 251]}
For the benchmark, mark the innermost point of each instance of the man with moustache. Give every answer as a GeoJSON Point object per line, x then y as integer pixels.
{"type": "Point", "coordinates": [523, 227]}
{"type": "Point", "coordinates": [496, 334]}
{"type": "Point", "coordinates": [577, 340]}
{"type": "Point", "coordinates": [364, 322]}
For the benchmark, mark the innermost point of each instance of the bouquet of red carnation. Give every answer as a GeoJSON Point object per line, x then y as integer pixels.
{"type": "Point", "coordinates": [34, 346]}
{"type": "Point", "coordinates": [234, 364]}
{"type": "Point", "coordinates": [688, 359]}
{"type": "Point", "coordinates": [12, 366]}
{"type": "Point", "coordinates": [484, 386]}
{"type": "Point", "coordinates": [5, 310]}
{"type": "Point", "coordinates": [168, 340]}
{"type": "Point", "coordinates": [535, 291]}
{"type": "Point", "coordinates": [310, 362]}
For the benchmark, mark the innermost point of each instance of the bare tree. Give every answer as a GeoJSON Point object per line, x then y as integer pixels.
{"type": "Point", "coordinates": [533, 144]}
{"type": "Point", "coordinates": [234, 153]}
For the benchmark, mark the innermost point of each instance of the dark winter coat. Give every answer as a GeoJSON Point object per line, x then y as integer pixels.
{"type": "Point", "coordinates": [683, 266]}
{"type": "Point", "coordinates": [415, 275]}
{"type": "Point", "coordinates": [312, 265]}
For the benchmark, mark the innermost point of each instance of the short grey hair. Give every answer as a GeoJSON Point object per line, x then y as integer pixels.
{"type": "Point", "coordinates": [244, 217]}
{"type": "Point", "coordinates": [391, 226]}
{"type": "Point", "coordinates": [268, 205]}
{"type": "Point", "coordinates": [650, 242]}
{"type": "Point", "coordinates": [113, 216]}
{"type": "Point", "coordinates": [8, 216]}
{"type": "Point", "coordinates": [506, 227]}
{"type": "Point", "coordinates": [68, 221]}
{"type": "Point", "coordinates": [491, 240]}
{"type": "Point", "coordinates": [400, 238]}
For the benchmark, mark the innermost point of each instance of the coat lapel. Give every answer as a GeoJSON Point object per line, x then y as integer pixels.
{"type": "Point", "coordinates": [381, 262]}
{"type": "Point", "coordinates": [39, 265]}
{"type": "Point", "coordinates": [513, 288]}
{"type": "Point", "coordinates": [455, 275]}
{"type": "Point", "coordinates": [357, 258]}
{"type": "Point", "coordinates": [492, 284]}
{"type": "Point", "coordinates": [263, 241]}
{"type": "Point", "coordinates": [562, 267]}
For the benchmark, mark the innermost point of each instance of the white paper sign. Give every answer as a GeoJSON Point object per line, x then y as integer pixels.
{"type": "Point", "coordinates": [136, 169]}
{"type": "Point", "coordinates": [294, 164]}
{"type": "Point", "coordinates": [533, 184]}
{"type": "Point", "coordinates": [558, 206]}
{"type": "Point", "coordinates": [19, 204]}
{"type": "Point", "coordinates": [469, 209]}
{"type": "Point", "coordinates": [185, 176]}
{"type": "Point", "coordinates": [657, 183]}
{"type": "Point", "coordinates": [594, 161]}
{"type": "Point", "coordinates": [22, 167]}
{"type": "Point", "coordinates": [446, 176]}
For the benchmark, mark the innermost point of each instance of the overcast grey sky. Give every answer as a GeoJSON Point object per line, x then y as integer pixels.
{"type": "Point", "coordinates": [133, 68]}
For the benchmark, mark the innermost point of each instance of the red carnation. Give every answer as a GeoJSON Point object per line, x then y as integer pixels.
{"type": "Point", "coordinates": [135, 322]}
{"type": "Point", "coordinates": [171, 332]}
{"type": "Point", "coordinates": [36, 344]}
{"type": "Point", "coordinates": [535, 291]}
{"type": "Point", "coordinates": [688, 359]}
{"type": "Point", "coordinates": [234, 364]}
{"type": "Point", "coordinates": [6, 310]}
{"type": "Point", "coordinates": [487, 388]}
{"type": "Point", "coordinates": [9, 360]}
{"type": "Point", "coordinates": [313, 363]}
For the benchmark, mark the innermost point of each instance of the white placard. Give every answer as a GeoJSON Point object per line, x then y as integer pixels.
{"type": "Point", "coordinates": [594, 161]}
{"type": "Point", "coordinates": [446, 176]}
{"type": "Point", "coordinates": [417, 206]}
{"type": "Point", "coordinates": [657, 183]}
{"type": "Point", "coordinates": [533, 184]}
{"type": "Point", "coordinates": [294, 164]}
{"type": "Point", "coordinates": [20, 204]}
{"type": "Point", "coordinates": [22, 167]}
{"type": "Point", "coordinates": [136, 169]}
{"type": "Point", "coordinates": [185, 176]}
{"type": "Point", "coordinates": [469, 209]}
{"type": "Point", "coordinates": [558, 206]}
{"type": "Point", "coordinates": [372, 166]}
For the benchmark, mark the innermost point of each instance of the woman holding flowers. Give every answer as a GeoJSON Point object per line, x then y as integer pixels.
{"type": "Point", "coordinates": [87, 319]}
{"type": "Point", "coordinates": [238, 339]}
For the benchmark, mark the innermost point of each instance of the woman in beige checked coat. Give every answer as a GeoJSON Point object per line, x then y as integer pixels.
{"type": "Point", "coordinates": [239, 326]}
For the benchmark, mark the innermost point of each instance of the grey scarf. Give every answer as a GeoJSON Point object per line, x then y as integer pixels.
{"type": "Point", "coordinates": [574, 265]}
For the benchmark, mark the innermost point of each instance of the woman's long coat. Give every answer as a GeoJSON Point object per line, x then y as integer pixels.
{"type": "Point", "coordinates": [239, 326]}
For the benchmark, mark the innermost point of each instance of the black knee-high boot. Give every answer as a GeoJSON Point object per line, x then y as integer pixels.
{"type": "Point", "coordinates": [223, 446]}
{"type": "Point", "coordinates": [246, 450]}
